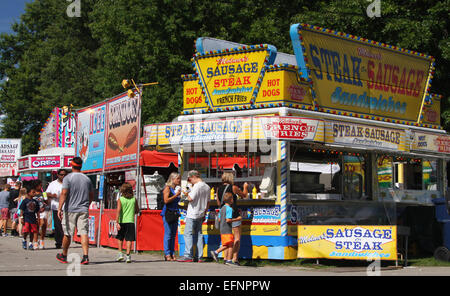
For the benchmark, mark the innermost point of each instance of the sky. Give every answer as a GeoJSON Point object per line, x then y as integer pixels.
{"type": "Point", "coordinates": [10, 11]}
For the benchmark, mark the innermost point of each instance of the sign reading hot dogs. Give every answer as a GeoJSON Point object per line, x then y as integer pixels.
{"type": "Point", "coordinates": [122, 132]}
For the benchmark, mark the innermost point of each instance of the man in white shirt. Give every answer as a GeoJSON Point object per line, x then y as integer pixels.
{"type": "Point", "coordinates": [198, 206]}
{"type": "Point", "coordinates": [53, 192]}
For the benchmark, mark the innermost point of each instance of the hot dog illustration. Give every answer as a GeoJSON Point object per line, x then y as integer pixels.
{"type": "Point", "coordinates": [131, 137]}
{"type": "Point", "coordinates": [113, 143]}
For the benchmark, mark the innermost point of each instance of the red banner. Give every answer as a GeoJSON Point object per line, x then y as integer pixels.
{"type": "Point", "coordinates": [150, 231]}
{"type": "Point", "coordinates": [109, 230]}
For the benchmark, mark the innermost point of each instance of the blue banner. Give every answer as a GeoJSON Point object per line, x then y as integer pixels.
{"type": "Point", "coordinates": [91, 123]}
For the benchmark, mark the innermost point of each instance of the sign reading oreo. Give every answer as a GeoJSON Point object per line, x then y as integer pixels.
{"type": "Point", "coordinates": [43, 163]}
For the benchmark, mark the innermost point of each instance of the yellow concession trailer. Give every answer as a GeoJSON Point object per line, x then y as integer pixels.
{"type": "Point", "coordinates": [338, 143]}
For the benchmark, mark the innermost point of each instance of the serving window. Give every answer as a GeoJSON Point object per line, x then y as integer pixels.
{"type": "Point", "coordinates": [247, 166]}
{"type": "Point", "coordinates": [408, 179]}
{"type": "Point", "coordinates": [327, 174]}
{"type": "Point", "coordinates": [416, 174]}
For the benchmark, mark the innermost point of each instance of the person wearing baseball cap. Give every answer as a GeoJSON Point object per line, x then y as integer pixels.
{"type": "Point", "coordinates": [198, 206]}
{"type": "Point", "coordinates": [73, 209]}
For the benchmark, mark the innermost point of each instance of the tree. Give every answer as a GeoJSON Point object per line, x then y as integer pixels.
{"type": "Point", "coordinates": [49, 62]}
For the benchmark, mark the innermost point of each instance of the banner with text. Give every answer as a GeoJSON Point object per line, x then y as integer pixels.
{"type": "Point", "coordinates": [234, 128]}
{"type": "Point", "coordinates": [353, 74]}
{"type": "Point", "coordinates": [358, 135]}
{"type": "Point", "coordinates": [347, 242]}
{"type": "Point", "coordinates": [290, 128]}
{"type": "Point", "coordinates": [431, 142]}
{"type": "Point", "coordinates": [232, 77]}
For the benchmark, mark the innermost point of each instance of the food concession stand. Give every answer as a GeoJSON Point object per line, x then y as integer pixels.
{"type": "Point", "coordinates": [108, 141]}
{"type": "Point", "coordinates": [339, 141]}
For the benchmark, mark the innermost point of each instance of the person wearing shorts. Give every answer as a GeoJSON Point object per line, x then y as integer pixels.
{"type": "Point", "coordinates": [4, 207]}
{"type": "Point", "coordinates": [73, 209]}
{"type": "Point", "coordinates": [29, 211]}
{"type": "Point", "coordinates": [226, 230]}
{"type": "Point", "coordinates": [127, 207]}
{"type": "Point", "coordinates": [41, 197]}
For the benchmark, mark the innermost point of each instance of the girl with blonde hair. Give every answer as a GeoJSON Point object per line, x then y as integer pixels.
{"type": "Point", "coordinates": [22, 196]}
{"type": "Point", "coordinates": [170, 214]}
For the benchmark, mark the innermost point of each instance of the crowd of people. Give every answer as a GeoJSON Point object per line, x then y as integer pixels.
{"type": "Point", "coordinates": [31, 219]}
{"type": "Point", "coordinates": [66, 200]}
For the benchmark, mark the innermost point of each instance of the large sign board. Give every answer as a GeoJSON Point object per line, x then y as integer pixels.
{"type": "Point", "coordinates": [10, 150]}
{"type": "Point", "coordinates": [353, 74]}
{"type": "Point", "coordinates": [122, 131]}
{"type": "Point", "coordinates": [90, 142]}
{"type": "Point", "coordinates": [231, 77]}
{"type": "Point", "coordinates": [347, 242]}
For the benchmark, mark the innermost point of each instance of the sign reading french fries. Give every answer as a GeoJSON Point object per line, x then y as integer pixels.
{"type": "Point", "coordinates": [122, 131]}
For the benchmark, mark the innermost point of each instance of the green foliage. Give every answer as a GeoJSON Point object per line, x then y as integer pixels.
{"type": "Point", "coordinates": [54, 60]}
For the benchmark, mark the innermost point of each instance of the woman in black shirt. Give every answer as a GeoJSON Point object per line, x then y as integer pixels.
{"type": "Point", "coordinates": [228, 186]}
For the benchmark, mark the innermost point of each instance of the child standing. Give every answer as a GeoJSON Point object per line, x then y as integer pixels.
{"type": "Point", "coordinates": [226, 231]}
{"type": "Point", "coordinates": [41, 198]}
{"type": "Point", "coordinates": [127, 207]}
{"type": "Point", "coordinates": [22, 196]}
{"type": "Point", "coordinates": [29, 211]}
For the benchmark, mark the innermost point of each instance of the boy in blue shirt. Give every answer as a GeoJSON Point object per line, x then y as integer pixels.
{"type": "Point", "coordinates": [29, 209]}
{"type": "Point", "coordinates": [226, 230]}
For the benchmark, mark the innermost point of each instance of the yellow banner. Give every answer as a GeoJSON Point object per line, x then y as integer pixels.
{"type": "Point", "coordinates": [431, 113]}
{"type": "Point", "coordinates": [231, 79]}
{"type": "Point", "coordinates": [347, 242]}
{"type": "Point", "coordinates": [280, 85]}
{"type": "Point", "coordinates": [354, 76]}
{"type": "Point", "coordinates": [193, 98]}
{"type": "Point", "coordinates": [234, 129]}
